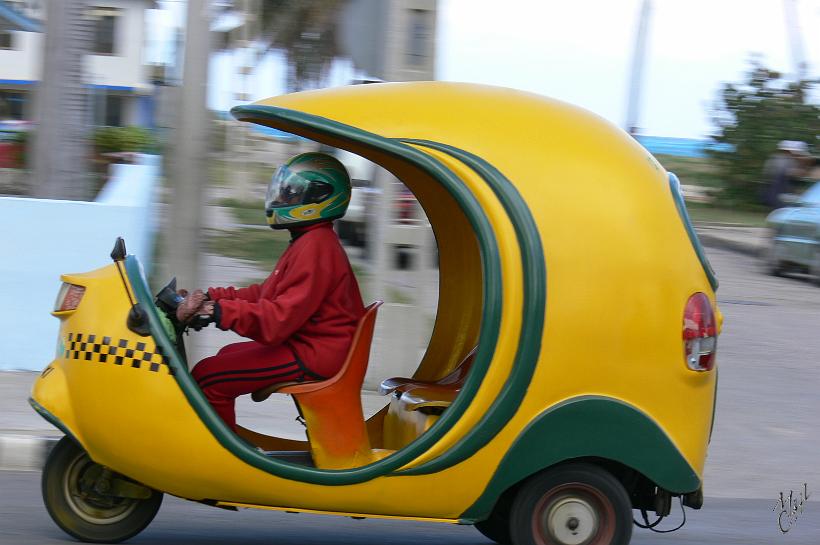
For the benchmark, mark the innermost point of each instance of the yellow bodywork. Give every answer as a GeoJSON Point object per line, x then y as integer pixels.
{"type": "Point", "coordinates": [619, 269]}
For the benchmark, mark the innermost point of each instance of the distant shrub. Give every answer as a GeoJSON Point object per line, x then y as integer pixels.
{"type": "Point", "coordinates": [124, 139]}
{"type": "Point", "coordinates": [22, 139]}
{"type": "Point", "coordinates": [752, 117]}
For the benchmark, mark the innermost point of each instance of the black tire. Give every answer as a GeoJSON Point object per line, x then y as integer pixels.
{"type": "Point", "coordinates": [772, 265]}
{"type": "Point", "coordinates": [82, 513]}
{"type": "Point", "coordinates": [814, 269]}
{"type": "Point", "coordinates": [575, 504]}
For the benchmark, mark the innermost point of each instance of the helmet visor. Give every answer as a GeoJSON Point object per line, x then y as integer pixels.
{"type": "Point", "coordinates": [287, 188]}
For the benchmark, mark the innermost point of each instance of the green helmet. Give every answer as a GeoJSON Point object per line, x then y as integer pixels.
{"type": "Point", "coordinates": [309, 188]}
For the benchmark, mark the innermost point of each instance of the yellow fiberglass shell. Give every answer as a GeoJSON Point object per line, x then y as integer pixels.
{"type": "Point", "coordinates": [620, 263]}
{"type": "Point", "coordinates": [563, 256]}
{"type": "Point", "coordinates": [130, 415]}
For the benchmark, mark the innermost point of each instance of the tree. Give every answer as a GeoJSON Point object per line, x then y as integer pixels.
{"type": "Point", "coordinates": [305, 30]}
{"type": "Point", "coordinates": [752, 117]}
{"type": "Point", "coordinates": [60, 147]}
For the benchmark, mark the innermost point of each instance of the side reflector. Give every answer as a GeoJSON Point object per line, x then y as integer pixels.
{"type": "Point", "coordinates": [69, 297]}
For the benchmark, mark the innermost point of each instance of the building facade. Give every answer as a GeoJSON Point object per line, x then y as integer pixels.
{"type": "Point", "coordinates": [393, 40]}
{"type": "Point", "coordinates": [120, 91]}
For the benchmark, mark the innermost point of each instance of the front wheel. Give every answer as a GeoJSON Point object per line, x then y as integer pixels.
{"type": "Point", "coordinates": [578, 504]}
{"type": "Point", "coordinates": [73, 499]}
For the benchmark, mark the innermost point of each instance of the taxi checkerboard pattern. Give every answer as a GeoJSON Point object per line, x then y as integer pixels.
{"type": "Point", "coordinates": [103, 349]}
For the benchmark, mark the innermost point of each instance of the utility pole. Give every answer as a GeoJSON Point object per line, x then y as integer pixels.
{"type": "Point", "coordinates": [189, 169]}
{"type": "Point", "coordinates": [59, 158]}
{"type": "Point", "coordinates": [795, 39]}
{"type": "Point", "coordinates": [638, 59]}
{"type": "Point", "coordinates": [241, 171]}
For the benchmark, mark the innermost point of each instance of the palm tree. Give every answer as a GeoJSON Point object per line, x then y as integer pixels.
{"type": "Point", "coordinates": [60, 147]}
{"type": "Point", "coordinates": [306, 31]}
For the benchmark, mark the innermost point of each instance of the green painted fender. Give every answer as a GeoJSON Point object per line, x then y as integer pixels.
{"type": "Point", "coordinates": [589, 426]}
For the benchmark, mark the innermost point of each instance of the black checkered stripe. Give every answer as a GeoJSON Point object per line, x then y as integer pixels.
{"type": "Point", "coordinates": [98, 349]}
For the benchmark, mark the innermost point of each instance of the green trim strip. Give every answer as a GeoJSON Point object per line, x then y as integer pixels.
{"type": "Point", "coordinates": [589, 426]}
{"type": "Point", "coordinates": [53, 420]}
{"type": "Point", "coordinates": [488, 334]}
{"type": "Point", "coordinates": [714, 404]}
{"type": "Point", "coordinates": [680, 204]}
{"type": "Point", "coordinates": [532, 312]}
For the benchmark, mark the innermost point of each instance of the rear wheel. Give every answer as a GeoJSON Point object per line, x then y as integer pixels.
{"type": "Point", "coordinates": [72, 495]}
{"type": "Point", "coordinates": [578, 504]}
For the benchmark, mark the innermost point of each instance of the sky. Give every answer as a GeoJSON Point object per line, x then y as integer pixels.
{"type": "Point", "coordinates": [581, 51]}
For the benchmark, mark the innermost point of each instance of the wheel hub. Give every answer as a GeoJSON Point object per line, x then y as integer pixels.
{"type": "Point", "coordinates": [86, 502]}
{"type": "Point", "coordinates": [571, 521]}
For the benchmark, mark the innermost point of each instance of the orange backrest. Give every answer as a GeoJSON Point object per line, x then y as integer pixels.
{"type": "Point", "coordinates": [456, 377]}
{"type": "Point", "coordinates": [358, 355]}
{"type": "Point", "coordinates": [460, 373]}
{"type": "Point", "coordinates": [332, 408]}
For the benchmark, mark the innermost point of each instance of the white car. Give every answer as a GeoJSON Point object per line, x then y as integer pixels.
{"type": "Point", "coordinates": [352, 227]}
{"type": "Point", "coordinates": [795, 244]}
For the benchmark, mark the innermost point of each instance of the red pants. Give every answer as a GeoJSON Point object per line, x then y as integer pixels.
{"type": "Point", "coordinates": [242, 368]}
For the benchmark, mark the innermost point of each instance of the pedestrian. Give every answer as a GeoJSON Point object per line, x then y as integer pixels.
{"type": "Point", "coordinates": [782, 170]}
{"type": "Point", "coordinates": [302, 318]}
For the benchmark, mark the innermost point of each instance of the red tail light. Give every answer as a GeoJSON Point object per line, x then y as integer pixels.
{"type": "Point", "coordinates": [699, 333]}
{"type": "Point", "coordinates": [69, 297]}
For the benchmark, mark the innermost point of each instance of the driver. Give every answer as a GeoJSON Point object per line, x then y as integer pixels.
{"type": "Point", "coordinates": [302, 318]}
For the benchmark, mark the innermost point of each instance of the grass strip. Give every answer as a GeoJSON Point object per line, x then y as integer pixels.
{"type": "Point", "coordinates": [260, 246]}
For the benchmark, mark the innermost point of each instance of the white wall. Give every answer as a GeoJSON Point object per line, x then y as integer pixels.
{"type": "Point", "coordinates": [125, 67]}
{"type": "Point", "coordinates": [23, 62]}
{"type": "Point", "coordinates": [43, 239]}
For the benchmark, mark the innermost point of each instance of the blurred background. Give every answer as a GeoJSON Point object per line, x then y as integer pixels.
{"type": "Point", "coordinates": [114, 121]}
{"type": "Point", "coordinates": [121, 107]}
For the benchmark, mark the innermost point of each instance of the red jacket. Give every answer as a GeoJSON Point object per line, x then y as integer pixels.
{"type": "Point", "coordinates": [311, 302]}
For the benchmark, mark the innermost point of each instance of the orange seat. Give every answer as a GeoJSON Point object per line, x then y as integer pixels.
{"type": "Point", "coordinates": [434, 396]}
{"type": "Point", "coordinates": [457, 376]}
{"type": "Point", "coordinates": [332, 408]}
{"type": "Point", "coordinates": [417, 404]}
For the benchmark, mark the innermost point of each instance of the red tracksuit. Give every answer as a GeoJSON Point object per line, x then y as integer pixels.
{"type": "Point", "coordinates": [301, 320]}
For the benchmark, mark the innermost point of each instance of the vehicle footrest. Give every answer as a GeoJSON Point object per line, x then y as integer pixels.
{"type": "Point", "coordinates": [301, 457]}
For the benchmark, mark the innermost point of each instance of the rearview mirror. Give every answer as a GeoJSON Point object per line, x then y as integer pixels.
{"type": "Point", "coordinates": [118, 253]}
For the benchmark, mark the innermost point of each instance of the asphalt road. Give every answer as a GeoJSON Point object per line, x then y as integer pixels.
{"type": "Point", "coordinates": [766, 437]}
{"type": "Point", "coordinates": [24, 521]}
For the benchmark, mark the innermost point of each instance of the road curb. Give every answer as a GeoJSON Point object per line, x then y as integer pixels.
{"type": "Point", "coordinates": [712, 241]}
{"type": "Point", "coordinates": [24, 452]}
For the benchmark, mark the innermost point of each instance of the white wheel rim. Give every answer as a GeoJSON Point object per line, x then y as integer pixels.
{"type": "Point", "coordinates": [572, 521]}
{"type": "Point", "coordinates": [88, 511]}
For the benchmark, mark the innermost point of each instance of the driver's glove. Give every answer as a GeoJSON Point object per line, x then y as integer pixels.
{"type": "Point", "coordinates": [194, 304]}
